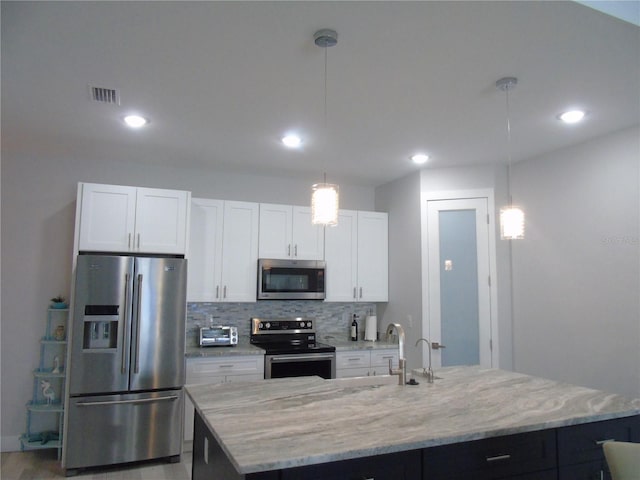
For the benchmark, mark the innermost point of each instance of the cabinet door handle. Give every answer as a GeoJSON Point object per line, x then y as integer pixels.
{"type": "Point", "coordinates": [360, 292]}
{"type": "Point", "coordinates": [354, 292]}
{"type": "Point", "coordinates": [224, 292]}
{"type": "Point", "coordinates": [498, 458]}
{"type": "Point", "coordinates": [217, 291]}
{"type": "Point", "coordinates": [289, 250]}
{"type": "Point", "coordinates": [295, 250]}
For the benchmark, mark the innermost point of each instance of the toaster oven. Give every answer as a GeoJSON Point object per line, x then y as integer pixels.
{"type": "Point", "coordinates": [218, 336]}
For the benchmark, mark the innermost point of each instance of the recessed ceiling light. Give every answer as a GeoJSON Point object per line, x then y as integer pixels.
{"type": "Point", "coordinates": [419, 158]}
{"type": "Point", "coordinates": [135, 121]}
{"type": "Point", "coordinates": [291, 140]}
{"type": "Point", "coordinates": [572, 116]}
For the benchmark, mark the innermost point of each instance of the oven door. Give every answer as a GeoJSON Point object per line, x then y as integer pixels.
{"type": "Point", "coordinates": [300, 365]}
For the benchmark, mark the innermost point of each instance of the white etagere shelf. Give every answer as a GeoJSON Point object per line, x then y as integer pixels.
{"type": "Point", "coordinates": [45, 410]}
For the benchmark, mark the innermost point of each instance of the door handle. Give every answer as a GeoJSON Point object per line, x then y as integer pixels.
{"type": "Point", "coordinates": [136, 368]}
{"type": "Point", "coordinates": [123, 369]}
{"type": "Point", "coordinates": [437, 346]}
{"type": "Point", "coordinates": [126, 402]}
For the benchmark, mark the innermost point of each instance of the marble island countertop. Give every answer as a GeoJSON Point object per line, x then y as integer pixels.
{"type": "Point", "coordinates": [308, 420]}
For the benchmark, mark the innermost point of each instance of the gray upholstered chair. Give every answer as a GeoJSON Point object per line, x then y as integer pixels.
{"type": "Point", "coordinates": [623, 459]}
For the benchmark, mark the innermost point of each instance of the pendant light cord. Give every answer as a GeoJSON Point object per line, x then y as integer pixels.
{"type": "Point", "coordinates": [508, 147]}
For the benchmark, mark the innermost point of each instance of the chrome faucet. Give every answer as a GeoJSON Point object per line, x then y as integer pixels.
{"type": "Point", "coordinates": [428, 372]}
{"type": "Point", "coordinates": [401, 371]}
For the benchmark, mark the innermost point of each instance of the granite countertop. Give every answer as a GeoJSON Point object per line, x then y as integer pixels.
{"type": "Point", "coordinates": [346, 345]}
{"type": "Point", "coordinates": [309, 420]}
{"type": "Point", "coordinates": [245, 348]}
{"type": "Point", "coordinates": [242, 348]}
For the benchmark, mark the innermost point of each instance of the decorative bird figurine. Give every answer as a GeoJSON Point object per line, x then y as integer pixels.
{"type": "Point", "coordinates": [47, 391]}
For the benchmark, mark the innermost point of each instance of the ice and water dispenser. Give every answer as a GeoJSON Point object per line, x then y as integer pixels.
{"type": "Point", "coordinates": [100, 327]}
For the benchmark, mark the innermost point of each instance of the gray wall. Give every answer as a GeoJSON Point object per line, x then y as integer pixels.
{"type": "Point", "coordinates": [577, 273]}
{"type": "Point", "coordinates": [38, 211]}
{"type": "Point", "coordinates": [401, 199]}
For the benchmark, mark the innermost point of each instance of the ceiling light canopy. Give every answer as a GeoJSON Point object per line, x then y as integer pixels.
{"type": "Point", "coordinates": [572, 116]}
{"type": "Point", "coordinates": [135, 121]}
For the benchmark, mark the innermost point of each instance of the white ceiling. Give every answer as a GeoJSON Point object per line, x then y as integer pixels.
{"type": "Point", "coordinates": [222, 81]}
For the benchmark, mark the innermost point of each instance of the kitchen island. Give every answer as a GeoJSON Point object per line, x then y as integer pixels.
{"type": "Point", "coordinates": [309, 427]}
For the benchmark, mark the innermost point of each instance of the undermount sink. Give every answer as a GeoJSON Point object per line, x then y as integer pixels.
{"type": "Point", "coordinates": [371, 381]}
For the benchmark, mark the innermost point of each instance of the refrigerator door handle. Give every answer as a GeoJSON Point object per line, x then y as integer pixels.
{"type": "Point", "coordinates": [136, 368]}
{"type": "Point", "coordinates": [126, 316]}
{"type": "Point", "coordinates": [122, 402]}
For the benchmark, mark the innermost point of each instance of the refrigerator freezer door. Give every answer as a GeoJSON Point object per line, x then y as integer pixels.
{"type": "Point", "coordinates": [110, 429]}
{"type": "Point", "coordinates": [158, 325]}
{"type": "Point", "coordinates": [101, 325]}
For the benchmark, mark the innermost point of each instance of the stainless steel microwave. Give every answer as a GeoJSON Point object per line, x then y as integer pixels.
{"type": "Point", "coordinates": [291, 279]}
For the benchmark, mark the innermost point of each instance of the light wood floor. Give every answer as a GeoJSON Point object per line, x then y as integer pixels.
{"type": "Point", "coordinates": [44, 464]}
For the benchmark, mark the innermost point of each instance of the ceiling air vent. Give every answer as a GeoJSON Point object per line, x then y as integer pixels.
{"type": "Point", "coordinates": [105, 95]}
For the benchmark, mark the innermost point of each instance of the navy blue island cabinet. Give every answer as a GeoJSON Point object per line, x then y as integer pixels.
{"type": "Point", "coordinates": [564, 453]}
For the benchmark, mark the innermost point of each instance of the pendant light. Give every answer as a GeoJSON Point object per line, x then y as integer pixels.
{"type": "Point", "coordinates": [511, 217]}
{"type": "Point", "coordinates": [324, 196]}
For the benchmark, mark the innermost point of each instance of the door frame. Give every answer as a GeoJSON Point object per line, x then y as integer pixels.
{"type": "Point", "coordinates": [485, 193]}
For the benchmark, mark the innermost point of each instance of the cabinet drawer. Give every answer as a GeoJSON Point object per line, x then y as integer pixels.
{"type": "Point", "coordinates": [583, 443]}
{"type": "Point", "coordinates": [201, 368]}
{"type": "Point", "coordinates": [597, 470]}
{"type": "Point", "coordinates": [391, 466]}
{"type": "Point", "coordinates": [497, 457]}
{"type": "Point", "coordinates": [352, 359]}
{"type": "Point", "coordinates": [381, 358]}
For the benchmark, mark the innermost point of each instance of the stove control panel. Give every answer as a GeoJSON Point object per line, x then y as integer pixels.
{"type": "Point", "coordinates": [281, 325]}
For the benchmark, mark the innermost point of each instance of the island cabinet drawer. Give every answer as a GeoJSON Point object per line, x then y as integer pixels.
{"type": "Point", "coordinates": [522, 456]}
{"type": "Point", "coordinates": [583, 443]}
{"type": "Point", "coordinates": [597, 470]}
{"type": "Point", "coordinates": [392, 466]}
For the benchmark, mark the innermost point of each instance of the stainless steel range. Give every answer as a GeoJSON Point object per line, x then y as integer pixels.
{"type": "Point", "coordinates": [291, 349]}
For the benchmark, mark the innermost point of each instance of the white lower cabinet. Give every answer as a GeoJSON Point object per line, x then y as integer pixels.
{"type": "Point", "coordinates": [363, 363]}
{"type": "Point", "coordinates": [220, 369]}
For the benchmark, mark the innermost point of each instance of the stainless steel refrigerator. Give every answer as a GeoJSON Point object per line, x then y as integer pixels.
{"type": "Point", "coordinates": [127, 364]}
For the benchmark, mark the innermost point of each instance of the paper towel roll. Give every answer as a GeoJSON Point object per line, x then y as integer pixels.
{"type": "Point", "coordinates": [371, 328]}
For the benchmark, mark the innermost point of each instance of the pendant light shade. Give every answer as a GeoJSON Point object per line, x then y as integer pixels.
{"type": "Point", "coordinates": [511, 217]}
{"type": "Point", "coordinates": [511, 223]}
{"type": "Point", "coordinates": [324, 204]}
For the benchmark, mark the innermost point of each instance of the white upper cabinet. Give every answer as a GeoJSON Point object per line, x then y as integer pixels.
{"type": "Point", "coordinates": [357, 256]}
{"type": "Point", "coordinates": [115, 218]}
{"type": "Point", "coordinates": [223, 251]}
{"type": "Point", "coordinates": [341, 255]}
{"type": "Point", "coordinates": [286, 232]}
{"type": "Point", "coordinates": [373, 257]}
{"type": "Point", "coordinates": [205, 250]}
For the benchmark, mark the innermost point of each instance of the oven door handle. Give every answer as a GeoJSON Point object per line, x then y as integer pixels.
{"type": "Point", "coordinates": [301, 357]}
